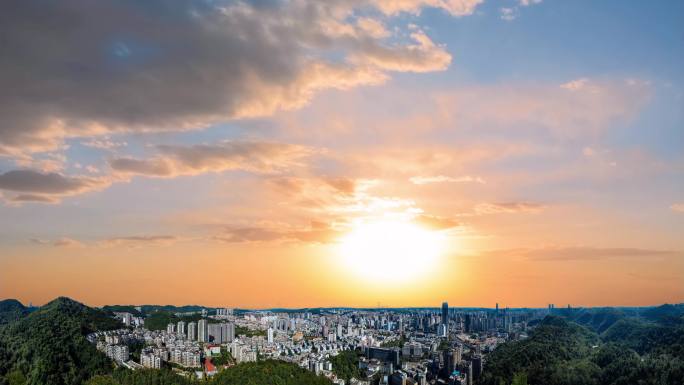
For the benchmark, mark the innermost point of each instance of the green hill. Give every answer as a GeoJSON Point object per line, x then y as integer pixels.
{"type": "Point", "coordinates": [11, 310]}
{"type": "Point", "coordinates": [596, 319]}
{"type": "Point", "coordinates": [48, 347]}
{"type": "Point", "coordinates": [553, 343]}
{"type": "Point", "coordinates": [559, 352]}
{"type": "Point", "coordinates": [269, 372]}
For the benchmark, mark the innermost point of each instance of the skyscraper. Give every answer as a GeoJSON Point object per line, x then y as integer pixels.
{"type": "Point", "coordinates": [445, 313]}
{"type": "Point", "coordinates": [228, 332]}
{"type": "Point", "coordinates": [215, 333]}
{"type": "Point", "coordinates": [192, 331]}
{"type": "Point", "coordinates": [202, 331]}
{"type": "Point", "coordinates": [180, 329]}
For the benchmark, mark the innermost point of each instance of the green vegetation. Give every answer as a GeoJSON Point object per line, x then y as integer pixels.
{"type": "Point", "coordinates": [596, 319]}
{"type": "Point", "coordinates": [560, 352]}
{"type": "Point", "coordinates": [268, 372]}
{"type": "Point", "coordinates": [241, 330]}
{"type": "Point", "coordinates": [122, 309]}
{"type": "Point", "coordinates": [252, 373]}
{"type": "Point", "coordinates": [159, 320]}
{"type": "Point", "coordinates": [346, 365]}
{"type": "Point", "coordinates": [398, 343]}
{"type": "Point", "coordinates": [141, 377]}
{"type": "Point", "coordinates": [11, 310]}
{"type": "Point", "coordinates": [224, 358]}
{"type": "Point", "coordinates": [615, 347]}
{"type": "Point", "coordinates": [49, 346]}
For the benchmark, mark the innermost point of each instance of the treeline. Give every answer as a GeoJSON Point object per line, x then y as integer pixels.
{"type": "Point", "coordinates": [159, 320]}
{"type": "Point", "coordinates": [269, 372]}
{"type": "Point", "coordinates": [561, 352]}
{"type": "Point", "coordinates": [48, 346]}
{"type": "Point", "coordinates": [12, 310]}
{"type": "Point", "coordinates": [346, 365]}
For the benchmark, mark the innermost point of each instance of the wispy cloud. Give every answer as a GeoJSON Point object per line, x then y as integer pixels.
{"type": "Point", "coordinates": [61, 242]}
{"type": "Point", "coordinates": [509, 207]}
{"type": "Point", "coordinates": [420, 180]}
{"type": "Point", "coordinates": [584, 253]}
{"type": "Point", "coordinates": [35, 186]}
{"type": "Point", "coordinates": [139, 240]}
{"type": "Point", "coordinates": [258, 157]}
{"type": "Point", "coordinates": [512, 13]}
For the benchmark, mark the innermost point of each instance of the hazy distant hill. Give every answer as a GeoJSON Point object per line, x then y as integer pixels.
{"type": "Point", "coordinates": [48, 346]}
{"type": "Point", "coordinates": [12, 310]}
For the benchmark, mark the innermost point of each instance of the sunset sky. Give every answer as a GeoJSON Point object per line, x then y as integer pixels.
{"type": "Point", "coordinates": [342, 153]}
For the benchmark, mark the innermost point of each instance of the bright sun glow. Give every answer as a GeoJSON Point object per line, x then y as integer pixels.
{"type": "Point", "coordinates": [391, 250]}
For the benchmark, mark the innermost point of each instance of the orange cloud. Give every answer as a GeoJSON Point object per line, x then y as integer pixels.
{"type": "Point", "coordinates": [258, 157]}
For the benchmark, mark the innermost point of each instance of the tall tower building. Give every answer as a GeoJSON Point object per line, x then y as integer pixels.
{"type": "Point", "coordinates": [202, 331]}
{"type": "Point", "coordinates": [445, 313]}
{"type": "Point", "coordinates": [270, 335]}
{"type": "Point", "coordinates": [227, 332]}
{"type": "Point", "coordinates": [192, 331]}
{"type": "Point", "coordinates": [215, 333]}
{"type": "Point", "coordinates": [181, 327]}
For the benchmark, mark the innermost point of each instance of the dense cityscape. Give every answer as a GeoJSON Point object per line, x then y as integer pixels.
{"type": "Point", "coordinates": [399, 347]}
{"type": "Point", "coordinates": [65, 342]}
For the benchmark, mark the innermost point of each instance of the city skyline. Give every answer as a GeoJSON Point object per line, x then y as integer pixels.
{"type": "Point", "coordinates": [291, 154]}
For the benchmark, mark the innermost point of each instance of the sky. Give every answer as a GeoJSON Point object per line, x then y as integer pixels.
{"type": "Point", "coordinates": [364, 153]}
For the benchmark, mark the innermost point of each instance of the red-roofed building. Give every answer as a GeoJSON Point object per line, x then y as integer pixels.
{"type": "Point", "coordinates": [209, 367]}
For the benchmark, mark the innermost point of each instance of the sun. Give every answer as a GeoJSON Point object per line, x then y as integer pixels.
{"type": "Point", "coordinates": [391, 250]}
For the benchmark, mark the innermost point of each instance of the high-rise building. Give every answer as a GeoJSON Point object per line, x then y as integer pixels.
{"type": "Point", "coordinates": [228, 332]}
{"type": "Point", "coordinates": [468, 323]}
{"type": "Point", "coordinates": [215, 334]}
{"type": "Point", "coordinates": [442, 330]}
{"type": "Point", "coordinates": [149, 360]}
{"type": "Point", "coordinates": [180, 327]}
{"type": "Point", "coordinates": [477, 366]}
{"type": "Point", "coordinates": [445, 315]}
{"type": "Point", "coordinates": [202, 331]}
{"type": "Point", "coordinates": [192, 331]}
{"type": "Point", "coordinates": [450, 361]}
{"type": "Point", "coordinates": [270, 335]}
{"type": "Point", "coordinates": [171, 328]}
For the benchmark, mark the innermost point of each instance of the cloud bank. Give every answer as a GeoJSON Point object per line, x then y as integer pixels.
{"type": "Point", "coordinates": [85, 68]}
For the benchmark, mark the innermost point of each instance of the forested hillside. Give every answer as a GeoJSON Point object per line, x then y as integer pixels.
{"type": "Point", "coordinates": [561, 352]}
{"type": "Point", "coordinates": [267, 372]}
{"type": "Point", "coordinates": [11, 310]}
{"type": "Point", "coordinates": [49, 346]}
